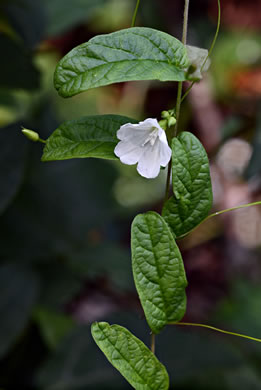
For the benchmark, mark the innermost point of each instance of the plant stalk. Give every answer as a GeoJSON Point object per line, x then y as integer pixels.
{"type": "Point", "coordinates": [179, 94]}
{"type": "Point", "coordinates": [184, 41]}
{"type": "Point", "coordinates": [217, 330]}
{"type": "Point", "coordinates": [152, 343]}
{"type": "Point", "coordinates": [209, 52]}
{"type": "Point", "coordinates": [135, 13]}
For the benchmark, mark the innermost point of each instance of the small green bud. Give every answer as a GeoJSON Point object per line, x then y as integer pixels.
{"type": "Point", "coordinates": [163, 124]}
{"type": "Point", "coordinates": [171, 121]}
{"type": "Point", "coordinates": [31, 135]}
{"type": "Point", "coordinates": [165, 114]}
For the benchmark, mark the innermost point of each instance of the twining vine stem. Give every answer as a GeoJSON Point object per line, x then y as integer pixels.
{"type": "Point", "coordinates": [184, 41]}
{"type": "Point", "coordinates": [209, 52]}
{"type": "Point", "coordinates": [217, 330]}
{"type": "Point", "coordinates": [152, 343]}
{"type": "Point", "coordinates": [179, 94]}
{"type": "Point", "coordinates": [135, 13]}
{"type": "Point", "coordinates": [216, 213]}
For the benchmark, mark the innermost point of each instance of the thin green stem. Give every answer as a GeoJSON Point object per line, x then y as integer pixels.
{"type": "Point", "coordinates": [242, 206]}
{"type": "Point", "coordinates": [184, 41]}
{"type": "Point", "coordinates": [215, 37]}
{"type": "Point", "coordinates": [209, 52]}
{"type": "Point", "coordinates": [179, 94]}
{"type": "Point", "coordinates": [42, 141]}
{"type": "Point", "coordinates": [217, 330]}
{"type": "Point", "coordinates": [178, 104]}
{"type": "Point", "coordinates": [185, 23]}
{"type": "Point", "coordinates": [152, 343]}
{"type": "Point", "coordinates": [167, 184]}
{"type": "Point", "coordinates": [188, 91]}
{"type": "Point", "coordinates": [135, 13]}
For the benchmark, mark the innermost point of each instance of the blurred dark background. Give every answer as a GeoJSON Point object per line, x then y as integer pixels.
{"type": "Point", "coordinates": [65, 226]}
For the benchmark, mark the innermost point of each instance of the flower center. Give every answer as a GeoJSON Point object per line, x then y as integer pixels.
{"type": "Point", "coordinates": [151, 137]}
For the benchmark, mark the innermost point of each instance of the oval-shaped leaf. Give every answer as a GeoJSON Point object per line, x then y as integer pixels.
{"type": "Point", "coordinates": [131, 357]}
{"type": "Point", "coordinates": [192, 189]}
{"type": "Point", "coordinates": [136, 53]}
{"type": "Point", "coordinates": [158, 271]}
{"type": "Point", "coordinates": [92, 136]}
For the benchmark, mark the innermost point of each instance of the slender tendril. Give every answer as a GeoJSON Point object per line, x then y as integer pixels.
{"type": "Point", "coordinates": [242, 206]}
{"type": "Point", "coordinates": [135, 13]}
{"type": "Point", "coordinates": [209, 52]}
{"type": "Point", "coordinates": [152, 343]}
{"type": "Point", "coordinates": [217, 330]}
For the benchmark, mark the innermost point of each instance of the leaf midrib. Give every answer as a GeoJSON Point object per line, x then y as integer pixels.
{"type": "Point", "coordinates": [158, 274]}
{"type": "Point", "coordinates": [92, 42]}
{"type": "Point", "coordinates": [80, 74]}
{"type": "Point", "coordinates": [120, 353]}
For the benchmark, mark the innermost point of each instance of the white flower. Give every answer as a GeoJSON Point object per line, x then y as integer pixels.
{"type": "Point", "coordinates": [144, 143]}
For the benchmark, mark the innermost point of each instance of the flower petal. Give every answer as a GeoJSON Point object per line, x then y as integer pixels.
{"type": "Point", "coordinates": [128, 153]}
{"type": "Point", "coordinates": [137, 133]}
{"type": "Point", "coordinates": [164, 150]}
{"type": "Point", "coordinates": [132, 134]}
{"type": "Point", "coordinates": [145, 143]}
{"type": "Point", "coordinates": [149, 163]}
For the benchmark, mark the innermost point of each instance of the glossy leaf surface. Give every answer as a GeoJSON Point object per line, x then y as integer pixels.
{"type": "Point", "coordinates": [137, 53]}
{"type": "Point", "coordinates": [131, 357]}
{"type": "Point", "coordinates": [93, 136]}
{"type": "Point", "coordinates": [158, 271]}
{"type": "Point", "coordinates": [192, 189]}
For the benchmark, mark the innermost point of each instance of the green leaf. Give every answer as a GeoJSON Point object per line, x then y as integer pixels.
{"type": "Point", "coordinates": [193, 197]}
{"type": "Point", "coordinates": [92, 136]}
{"type": "Point", "coordinates": [137, 53]}
{"type": "Point", "coordinates": [158, 271]}
{"type": "Point", "coordinates": [131, 357]}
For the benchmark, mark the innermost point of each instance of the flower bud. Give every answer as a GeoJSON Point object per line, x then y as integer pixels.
{"type": "Point", "coordinates": [163, 124]}
{"type": "Point", "coordinates": [171, 121]}
{"type": "Point", "coordinates": [31, 135]}
{"type": "Point", "coordinates": [165, 114]}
